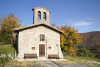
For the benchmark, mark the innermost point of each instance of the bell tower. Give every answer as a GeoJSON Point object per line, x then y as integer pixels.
{"type": "Point", "coordinates": [40, 15]}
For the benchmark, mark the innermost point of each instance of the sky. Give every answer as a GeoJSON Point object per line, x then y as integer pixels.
{"type": "Point", "coordinates": [83, 15]}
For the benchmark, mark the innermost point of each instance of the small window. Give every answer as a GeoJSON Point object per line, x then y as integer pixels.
{"type": "Point", "coordinates": [44, 16]}
{"type": "Point", "coordinates": [33, 48]}
{"type": "Point", "coordinates": [49, 47]}
{"type": "Point", "coordinates": [42, 37]}
{"type": "Point", "coordinates": [39, 15]}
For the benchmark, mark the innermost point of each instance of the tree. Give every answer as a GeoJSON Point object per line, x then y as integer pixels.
{"type": "Point", "coordinates": [0, 35]}
{"type": "Point", "coordinates": [53, 24]}
{"type": "Point", "coordinates": [69, 39]}
{"type": "Point", "coordinates": [8, 24]}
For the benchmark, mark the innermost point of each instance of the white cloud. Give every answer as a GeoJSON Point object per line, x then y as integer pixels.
{"type": "Point", "coordinates": [81, 23]}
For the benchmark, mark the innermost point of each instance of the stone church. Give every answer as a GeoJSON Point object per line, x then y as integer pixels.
{"type": "Point", "coordinates": [39, 38]}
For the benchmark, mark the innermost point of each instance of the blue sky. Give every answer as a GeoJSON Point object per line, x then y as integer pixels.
{"type": "Point", "coordinates": [84, 15]}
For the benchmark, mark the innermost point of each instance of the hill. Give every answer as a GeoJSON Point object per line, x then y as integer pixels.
{"type": "Point", "coordinates": [91, 41]}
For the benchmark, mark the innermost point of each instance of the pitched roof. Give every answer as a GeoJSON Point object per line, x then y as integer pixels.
{"type": "Point", "coordinates": [40, 24]}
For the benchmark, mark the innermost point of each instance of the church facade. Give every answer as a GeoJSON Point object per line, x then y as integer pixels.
{"type": "Point", "coordinates": [39, 38]}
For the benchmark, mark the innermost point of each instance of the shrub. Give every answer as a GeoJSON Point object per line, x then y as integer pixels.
{"type": "Point", "coordinates": [6, 38]}
{"type": "Point", "coordinates": [84, 52]}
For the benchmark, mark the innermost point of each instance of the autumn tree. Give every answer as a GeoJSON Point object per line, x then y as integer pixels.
{"type": "Point", "coordinates": [0, 35]}
{"type": "Point", "coordinates": [7, 25]}
{"type": "Point", "coordinates": [53, 24]}
{"type": "Point", "coordinates": [69, 39]}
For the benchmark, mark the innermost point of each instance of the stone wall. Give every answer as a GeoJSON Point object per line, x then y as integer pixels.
{"type": "Point", "coordinates": [29, 38]}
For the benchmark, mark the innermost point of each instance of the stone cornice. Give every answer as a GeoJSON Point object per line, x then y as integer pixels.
{"type": "Point", "coordinates": [41, 7]}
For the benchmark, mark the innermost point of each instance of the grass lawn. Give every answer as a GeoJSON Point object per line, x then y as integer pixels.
{"type": "Point", "coordinates": [5, 49]}
{"type": "Point", "coordinates": [8, 48]}
{"type": "Point", "coordinates": [14, 63]}
{"type": "Point", "coordinates": [84, 60]}
{"type": "Point", "coordinates": [1, 43]}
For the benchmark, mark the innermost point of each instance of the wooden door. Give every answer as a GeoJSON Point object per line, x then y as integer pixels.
{"type": "Point", "coordinates": [41, 50]}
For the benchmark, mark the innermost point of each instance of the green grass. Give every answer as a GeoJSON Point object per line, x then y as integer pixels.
{"type": "Point", "coordinates": [1, 43]}
{"type": "Point", "coordinates": [6, 49]}
{"type": "Point", "coordinates": [84, 60]}
{"type": "Point", "coordinates": [3, 61]}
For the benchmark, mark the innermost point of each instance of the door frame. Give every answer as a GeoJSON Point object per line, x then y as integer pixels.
{"type": "Point", "coordinates": [44, 49]}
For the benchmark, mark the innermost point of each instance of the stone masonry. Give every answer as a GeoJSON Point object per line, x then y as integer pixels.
{"type": "Point", "coordinates": [35, 16]}
{"type": "Point", "coordinates": [29, 38]}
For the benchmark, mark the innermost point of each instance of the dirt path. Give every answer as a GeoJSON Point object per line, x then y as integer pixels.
{"type": "Point", "coordinates": [14, 63]}
{"type": "Point", "coordinates": [57, 64]}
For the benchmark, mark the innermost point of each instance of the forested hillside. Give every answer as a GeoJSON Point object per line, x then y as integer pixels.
{"type": "Point", "coordinates": [91, 41]}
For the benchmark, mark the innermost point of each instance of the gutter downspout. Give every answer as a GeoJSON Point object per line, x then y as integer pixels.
{"type": "Point", "coordinates": [46, 48]}
{"type": "Point", "coordinates": [15, 53]}
{"type": "Point", "coordinates": [58, 49]}
{"type": "Point", "coordinates": [18, 45]}
{"type": "Point", "coordinates": [16, 50]}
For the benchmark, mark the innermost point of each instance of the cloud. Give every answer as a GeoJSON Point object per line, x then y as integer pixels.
{"type": "Point", "coordinates": [81, 23]}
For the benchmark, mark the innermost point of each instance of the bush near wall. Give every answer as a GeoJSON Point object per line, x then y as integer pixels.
{"type": "Point", "coordinates": [83, 52]}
